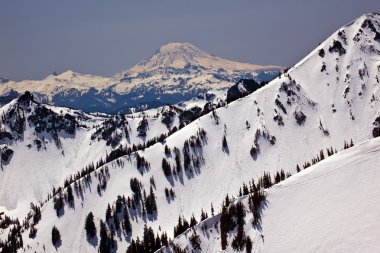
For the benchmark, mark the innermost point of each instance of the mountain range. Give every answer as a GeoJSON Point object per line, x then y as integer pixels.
{"type": "Point", "coordinates": [176, 72]}
{"type": "Point", "coordinates": [291, 167]}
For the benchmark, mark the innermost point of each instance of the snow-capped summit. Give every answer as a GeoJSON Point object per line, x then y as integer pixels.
{"type": "Point", "coordinates": [77, 80]}
{"type": "Point", "coordinates": [172, 55]}
{"type": "Point", "coordinates": [68, 74]}
{"type": "Point", "coordinates": [182, 55]}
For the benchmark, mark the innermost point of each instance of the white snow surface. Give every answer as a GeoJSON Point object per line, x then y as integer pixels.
{"type": "Point", "coordinates": [330, 207]}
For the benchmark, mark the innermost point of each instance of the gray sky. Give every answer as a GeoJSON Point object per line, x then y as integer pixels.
{"type": "Point", "coordinates": [104, 37]}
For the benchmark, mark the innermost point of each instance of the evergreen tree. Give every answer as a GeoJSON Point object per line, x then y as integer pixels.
{"type": "Point", "coordinates": [167, 150]}
{"type": "Point", "coordinates": [70, 196]}
{"type": "Point", "coordinates": [227, 221]}
{"type": "Point", "coordinates": [55, 236]}
{"type": "Point", "coordinates": [181, 227]}
{"type": "Point", "coordinates": [126, 223]}
{"type": "Point", "coordinates": [108, 213]}
{"type": "Point", "coordinates": [132, 247]}
{"type": "Point", "coordinates": [321, 155]}
{"type": "Point", "coordinates": [177, 160]}
{"type": "Point", "coordinates": [193, 221]}
{"type": "Point", "coordinates": [150, 202]}
{"type": "Point", "coordinates": [164, 239]}
{"type": "Point", "coordinates": [158, 242]}
{"type": "Point", "coordinates": [36, 213]}
{"type": "Point", "coordinates": [238, 241]}
{"type": "Point", "coordinates": [166, 168]}
{"type": "Point", "coordinates": [105, 244]}
{"type": "Point", "coordinates": [248, 245]}
{"type": "Point", "coordinates": [149, 239]}
{"type": "Point", "coordinates": [90, 226]}
{"type": "Point", "coordinates": [58, 203]}
{"type": "Point", "coordinates": [203, 215]}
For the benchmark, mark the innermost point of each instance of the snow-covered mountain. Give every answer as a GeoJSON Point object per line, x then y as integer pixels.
{"type": "Point", "coordinates": [176, 72]}
{"type": "Point", "coordinates": [329, 100]}
{"type": "Point", "coordinates": [330, 207]}
{"type": "Point", "coordinates": [183, 55]}
{"type": "Point", "coordinates": [42, 145]}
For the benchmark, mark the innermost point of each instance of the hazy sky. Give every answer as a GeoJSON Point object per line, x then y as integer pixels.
{"type": "Point", "coordinates": [104, 37]}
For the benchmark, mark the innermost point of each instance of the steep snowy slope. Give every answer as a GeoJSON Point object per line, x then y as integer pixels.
{"type": "Point", "coordinates": [42, 145]}
{"type": "Point", "coordinates": [280, 126]}
{"type": "Point", "coordinates": [330, 207]}
{"type": "Point", "coordinates": [176, 72]}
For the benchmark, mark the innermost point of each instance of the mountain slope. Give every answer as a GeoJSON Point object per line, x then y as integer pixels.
{"type": "Point", "coordinates": [176, 72]}
{"type": "Point", "coordinates": [47, 144]}
{"type": "Point", "coordinates": [329, 207]}
{"type": "Point", "coordinates": [282, 125]}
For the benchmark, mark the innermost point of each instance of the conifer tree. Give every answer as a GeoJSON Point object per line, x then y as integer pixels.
{"type": "Point", "coordinates": [108, 213]}
{"type": "Point", "coordinates": [90, 226]}
{"type": "Point", "coordinates": [203, 215]}
{"type": "Point", "coordinates": [248, 245]}
{"type": "Point", "coordinates": [193, 221]}
{"type": "Point", "coordinates": [126, 222]}
{"type": "Point", "coordinates": [166, 168]}
{"type": "Point", "coordinates": [55, 236]}
{"type": "Point", "coordinates": [58, 203]}
{"type": "Point", "coordinates": [104, 244]}
{"type": "Point", "coordinates": [70, 196]}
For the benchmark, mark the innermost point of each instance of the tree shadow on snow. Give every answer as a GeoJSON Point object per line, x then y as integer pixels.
{"type": "Point", "coordinates": [93, 241]}
{"type": "Point", "coordinates": [263, 206]}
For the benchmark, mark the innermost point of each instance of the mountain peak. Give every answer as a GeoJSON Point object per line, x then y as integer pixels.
{"type": "Point", "coordinates": [364, 20]}
{"type": "Point", "coordinates": [177, 55]}
{"type": "Point", "coordinates": [371, 15]}
{"type": "Point", "coordinates": [179, 47]}
{"type": "Point", "coordinates": [68, 74]}
{"type": "Point", "coordinates": [181, 55]}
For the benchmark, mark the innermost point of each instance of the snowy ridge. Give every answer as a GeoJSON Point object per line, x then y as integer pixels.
{"type": "Point", "coordinates": [320, 205]}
